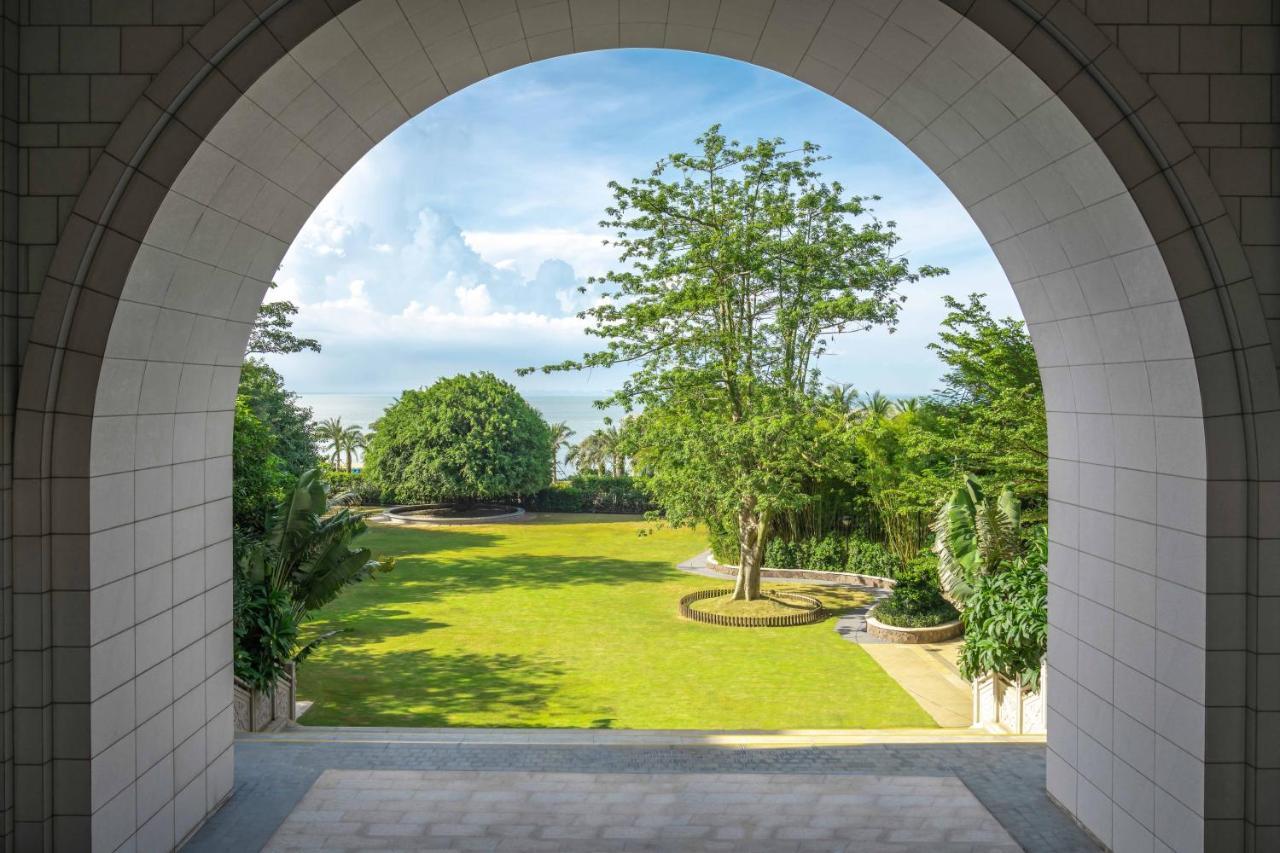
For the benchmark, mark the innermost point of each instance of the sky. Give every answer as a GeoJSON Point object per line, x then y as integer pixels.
{"type": "Point", "coordinates": [459, 241]}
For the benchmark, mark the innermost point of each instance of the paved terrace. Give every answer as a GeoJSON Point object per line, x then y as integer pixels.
{"type": "Point", "coordinates": [513, 790]}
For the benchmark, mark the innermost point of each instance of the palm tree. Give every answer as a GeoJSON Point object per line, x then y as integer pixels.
{"type": "Point", "coordinates": [842, 398]}
{"type": "Point", "coordinates": [560, 434]}
{"type": "Point", "coordinates": [593, 453]}
{"type": "Point", "coordinates": [910, 405]}
{"type": "Point", "coordinates": [876, 405]}
{"type": "Point", "coordinates": [353, 439]}
{"type": "Point", "coordinates": [331, 436]}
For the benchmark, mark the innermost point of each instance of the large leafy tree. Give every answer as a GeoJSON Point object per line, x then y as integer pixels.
{"type": "Point", "coordinates": [738, 264]}
{"type": "Point", "coordinates": [466, 438]}
{"type": "Point", "coordinates": [262, 389]}
{"type": "Point", "coordinates": [259, 476]}
{"type": "Point", "coordinates": [993, 423]}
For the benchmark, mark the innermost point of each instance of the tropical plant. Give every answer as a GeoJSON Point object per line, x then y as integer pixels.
{"type": "Point", "coordinates": [467, 438]}
{"type": "Point", "coordinates": [353, 440]}
{"type": "Point", "coordinates": [976, 536]}
{"type": "Point", "coordinates": [331, 436]}
{"type": "Point", "coordinates": [875, 405]}
{"type": "Point", "coordinates": [301, 563]}
{"type": "Point", "coordinates": [1006, 618]}
{"type": "Point", "coordinates": [601, 452]}
{"type": "Point", "coordinates": [739, 266]}
{"type": "Point", "coordinates": [842, 399]}
{"type": "Point", "coordinates": [560, 435]}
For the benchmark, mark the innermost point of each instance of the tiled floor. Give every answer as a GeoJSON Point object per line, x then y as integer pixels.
{"type": "Point", "coordinates": [741, 812]}
{"type": "Point", "coordinates": [274, 774]}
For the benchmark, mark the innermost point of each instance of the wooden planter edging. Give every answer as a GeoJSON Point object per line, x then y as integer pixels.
{"type": "Point", "coordinates": [874, 581]}
{"type": "Point", "coordinates": [894, 634]}
{"type": "Point", "coordinates": [808, 617]}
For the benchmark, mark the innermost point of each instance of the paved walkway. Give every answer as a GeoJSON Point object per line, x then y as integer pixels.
{"type": "Point", "coordinates": [926, 671]}
{"type": "Point", "coordinates": [736, 813]}
{"type": "Point", "coordinates": [274, 775]}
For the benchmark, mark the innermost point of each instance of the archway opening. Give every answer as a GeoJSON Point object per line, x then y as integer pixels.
{"type": "Point", "coordinates": [1031, 148]}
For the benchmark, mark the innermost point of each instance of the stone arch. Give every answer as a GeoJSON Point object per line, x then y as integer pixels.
{"type": "Point", "coordinates": [1157, 364]}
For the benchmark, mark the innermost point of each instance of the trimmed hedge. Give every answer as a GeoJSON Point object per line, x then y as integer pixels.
{"type": "Point", "coordinates": [591, 493]}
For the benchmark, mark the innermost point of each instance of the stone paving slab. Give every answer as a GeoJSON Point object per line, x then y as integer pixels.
{"type": "Point", "coordinates": [694, 812]}
{"type": "Point", "coordinates": [273, 775]}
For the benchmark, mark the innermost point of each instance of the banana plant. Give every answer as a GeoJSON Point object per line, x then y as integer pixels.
{"type": "Point", "coordinates": [303, 562]}
{"type": "Point", "coordinates": [974, 536]}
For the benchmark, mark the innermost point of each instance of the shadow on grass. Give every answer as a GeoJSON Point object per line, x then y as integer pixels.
{"type": "Point", "coordinates": [838, 601]}
{"type": "Point", "coordinates": [370, 625]}
{"type": "Point", "coordinates": [423, 688]}
{"type": "Point", "coordinates": [420, 577]}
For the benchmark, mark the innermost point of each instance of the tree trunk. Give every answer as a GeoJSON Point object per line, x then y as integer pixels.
{"type": "Point", "coordinates": [752, 527]}
{"type": "Point", "coordinates": [348, 461]}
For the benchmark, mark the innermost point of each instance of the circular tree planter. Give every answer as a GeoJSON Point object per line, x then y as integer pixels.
{"type": "Point", "coordinates": [809, 611]}
{"type": "Point", "coordinates": [894, 634]}
{"type": "Point", "coordinates": [445, 514]}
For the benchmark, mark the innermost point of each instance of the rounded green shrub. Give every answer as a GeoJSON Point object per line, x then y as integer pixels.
{"type": "Point", "coordinates": [917, 600]}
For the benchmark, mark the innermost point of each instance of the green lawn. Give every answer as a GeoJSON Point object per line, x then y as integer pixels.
{"type": "Point", "coordinates": [570, 621]}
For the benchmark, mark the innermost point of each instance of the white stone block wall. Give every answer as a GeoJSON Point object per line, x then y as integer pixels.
{"type": "Point", "coordinates": [1120, 156]}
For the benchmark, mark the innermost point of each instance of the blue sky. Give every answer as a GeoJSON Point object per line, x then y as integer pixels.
{"type": "Point", "coordinates": [458, 242]}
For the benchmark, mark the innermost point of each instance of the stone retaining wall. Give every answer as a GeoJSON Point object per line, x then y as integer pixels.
{"type": "Point", "coordinates": [874, 581]}
{"type": "Point", "coordinates": [894, 634]}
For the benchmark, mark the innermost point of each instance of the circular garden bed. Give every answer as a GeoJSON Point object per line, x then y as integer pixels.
{"type": "Point", "coordinates": [774, 610]}
{"type": "Point", "coordinates": [940, 633]}
{"type": "Point", "coordinates": [443, 513]}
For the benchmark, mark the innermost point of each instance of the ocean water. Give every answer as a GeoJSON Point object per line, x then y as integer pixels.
{"type": "Point", "coordinates": [362, 410]}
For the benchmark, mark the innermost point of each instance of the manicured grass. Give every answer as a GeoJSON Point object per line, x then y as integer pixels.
{"type": "Point", "coordinates": [570, 621]}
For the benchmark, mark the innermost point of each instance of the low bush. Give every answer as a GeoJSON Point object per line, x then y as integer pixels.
{"type": "Point", "coordinates": [591, 493]}
{"type": "Point", "coordinates": [826, 554]}
{"type": "Point", "coordinates": [872, 558]}
{"type": "Point", "coordinates": [917, 600]}
{"type": "Point", "coordinates": [340, 482]}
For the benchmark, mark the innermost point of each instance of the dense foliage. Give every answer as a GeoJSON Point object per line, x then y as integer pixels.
{"type": "Point", "coordinates": [301, 562]}
{"type": "Point", "coordinates": [467, 438]}
{"type": "Point", "coordinates": [739, 265]}
{"type": "Point", "coordinates": [259, 477]}
{"type": "Point", "coordinates": [1006, 618]}
{"type": "Point", "coordinates": [271, 446]}
{"type": "Point", "coordinates": [916, 601]}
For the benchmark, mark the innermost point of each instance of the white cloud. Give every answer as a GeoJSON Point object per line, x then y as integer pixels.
{"type": "Point", "coordinates": [525, 250]}
{"type": "Point", "coordinates": [474, 300]}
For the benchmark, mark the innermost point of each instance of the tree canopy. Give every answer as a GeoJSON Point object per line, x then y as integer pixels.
{"type": "Point", "coordinates": [273, 330]}
{"type": "Point", "coordinates": [738, 264]}
{"type": "Point", "coordinates": [466, 438]}
{"type": "Point", "coordinates": [262, 389]}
